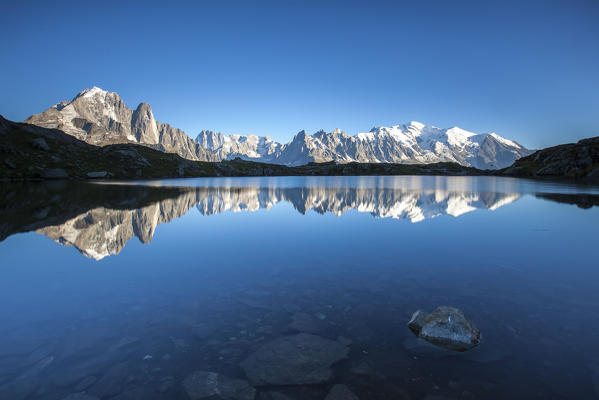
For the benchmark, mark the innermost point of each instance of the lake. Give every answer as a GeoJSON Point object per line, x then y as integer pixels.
{"type": "Point", "coordinates": [125, 291]}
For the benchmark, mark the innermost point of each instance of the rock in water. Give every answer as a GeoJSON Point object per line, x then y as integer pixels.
{"type": "Point", "coordinates": [42, 351]}
{"type": "Point", "coordinates": [202, 331]}
{"type": "Point", "coordinates": [113, 382]}
{"type": "Point", "coordinates": [341, 392]}
{"type": "Point", "coordinates": [417, 322]}
{"type": "Point", "coordinates": [300, 359]}
{"type": "Point", "coordinates": [36, 369]}
{"type": "Point", "coordinates": [303, 322]}
{"type": "Point", "coordinates": [273, 396]}
{"type": "Point", "coordinates": [446, 327]}
{"type": "Point", "coordinates": [204, 385]}
{"type": "Point", "coordinates": [80, 396]}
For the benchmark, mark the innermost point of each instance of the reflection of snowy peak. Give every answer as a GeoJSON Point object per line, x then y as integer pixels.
{"type": "Point", "coordinates": [102, 231]}
{"type": "Point", "coordinates": [381, 203]}
{"type": "Point", "coordinates": [100, 117]}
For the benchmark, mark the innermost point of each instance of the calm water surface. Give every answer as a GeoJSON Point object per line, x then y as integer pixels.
{"type": "Point", "coordinates": [122, 291]}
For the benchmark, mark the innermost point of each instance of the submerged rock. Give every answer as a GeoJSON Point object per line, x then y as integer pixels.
{"type": "Point", "coordinates": [207, 385]}
{"type": "Point", "coordinates": [39, 353]}
{"type": "Point", "coordinates": [341, 392]}
{"type": "Point", "coordinates": [113, 381]}
{"type": "Point", "coordinates": [273, 396]}
{"type": "Point", "coordinates": [124, 342]}
{"type": "Point", "coordinates": [36, 369]}
{"type": "Point", "coordinates": [303, 322]}
{"type": "Point", "coordinates": [417, 347]}
{"type": "Point", "coordinates": [446, 327]}
{"type": "Point", "coordinates": [85, 383]}
{"type": "Point", "coordinates": [202, 331]}
{"type": "Point", "coordinates": [300, 359]}
{"type": "Point", "coordinates": [18, 389]}
{"type": "Point", "coordinates": [80, 396]}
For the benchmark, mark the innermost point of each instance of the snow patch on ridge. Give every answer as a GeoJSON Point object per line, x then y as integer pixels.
{"type": "Point", "coordinates": [90, 92]}
{"type": "Point", "coordinates": [505, 141]}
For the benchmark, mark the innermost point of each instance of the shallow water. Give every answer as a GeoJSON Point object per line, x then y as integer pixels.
{"type": "Point", "coordinates": [223, 266]}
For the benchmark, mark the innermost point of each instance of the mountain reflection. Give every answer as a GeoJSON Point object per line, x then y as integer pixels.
{"type": "Point", "coordinates": [379, 202]}
{"type": "Point", "coordinates": [99, 220]}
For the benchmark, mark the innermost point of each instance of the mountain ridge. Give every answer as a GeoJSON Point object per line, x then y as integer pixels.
{"type": "Point", "coordinates": [100, 117]}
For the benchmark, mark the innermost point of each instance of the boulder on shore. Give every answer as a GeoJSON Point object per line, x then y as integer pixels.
{"type": "Point", "coordinates": [445, 327]}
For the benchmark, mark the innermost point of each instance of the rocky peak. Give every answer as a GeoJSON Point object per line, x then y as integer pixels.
{"type": "Point", "coordinates": [144, 107]}
{"type": "Point", "coordinates": [143, 125]}
{"type": "Point", "coordinates": [100, 107]}
{"type": "Point", "coordinates": [320, 134]}
{"type": "Point", "coordinates": [301, 136]}
{"type": "Point", "coordinates": [210, 140]}
{"type": "Point", "coordinates": [100, 117]}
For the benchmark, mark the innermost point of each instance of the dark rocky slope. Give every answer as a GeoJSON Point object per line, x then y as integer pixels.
{"type": "Point", "coordinates": [572, 160]}
{"type": "Point", "coordinates": [32, 152]}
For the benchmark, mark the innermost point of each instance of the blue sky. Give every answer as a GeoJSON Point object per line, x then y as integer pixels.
{"type": "Point", "coordinates": [526, 70]}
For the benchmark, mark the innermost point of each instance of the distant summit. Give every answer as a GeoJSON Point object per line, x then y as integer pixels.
{"type": "Point", "coordinates": [100, 117]}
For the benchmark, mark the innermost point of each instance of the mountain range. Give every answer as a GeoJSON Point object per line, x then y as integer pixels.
{"type": "Point", "coordinates": [100, 117]}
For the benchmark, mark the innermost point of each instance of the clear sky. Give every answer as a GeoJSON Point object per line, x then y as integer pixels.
{"type": "Point", "coordinates": [528, 70]}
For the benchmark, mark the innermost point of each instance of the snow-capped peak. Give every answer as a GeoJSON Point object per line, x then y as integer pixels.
{"type": "Point", "coordinates": [90, 92]}
{"type": "Point", "coordinates": [416, 124]}
{"type": "Point", "coordinates": [456, 130]}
